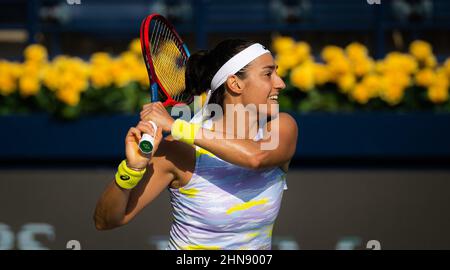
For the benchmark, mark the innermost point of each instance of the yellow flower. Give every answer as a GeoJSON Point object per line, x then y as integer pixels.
{"type": "Point", "coordinates": [362, 66]}
{"type": "Point", "coordinates": [79, 68]}
{"type": "Point", "coordinates": [135, 46]}
{"type": "Point", "coordinates": [303, 76]}
{"type": "Point", "coordinates": [66, 73]}
{"type": "Point", "coordinates": [360, 94]}
{"type": "Point", "coordinates": [100, 58]}
{"type": "Point", "coordinates": [121, 76]}
{"type": "Point", "coordinates": [380, 66]}
{"type": "Point", "coordinates": [68, 95]}
{"type": "Point", "coordinates": [14, 69]}
{"type": "Point", "coordinates": [447, 66]}
{"type": "Point", "coordinates": [101, 77]}
{"type": "Point", "coordinates": [8, 76]}
{"type": "Point", "coordinates": [144, 80]}
{"type": "Point", "coordinates": [442, 79]}
{"type": "Point", "coordinates": [356, 51]}
{"type": "Point", "coordinates": [321, 74]}
{"type": "Point", "coordinates": [399, 77]}
{"type": "Point", "coordinates": [29, 86]}
{"type": "Point", "coordinates": [392, 94]}
{"type": "Point", "coordinates": [135, 67]}
{"type": "Point", "coordinates": [431, 61]}
{"type": "Point", "coordinates": [396, 61]}
{"type": "Point", "coordinates": [7, 85]}
{"type": "Point", "coordinates": [283, 44]}
{"type": "Point", "coordinates": [50, 77]}
{"type": "Point", "coordinates": [302, 51]}
{"type": "Point", "coordinates": [393, 87]}
{"type": "Point", "coordinates": [331, 52]}
{"type": "Point", "coordinates": [141, 75]}
{"type": "Point", "coordinates": [403, 79]}
{"type": "Point", "coordinates": [35, 53]}
{"type": "Point", "coordinates": [425, 77]}
{"type": "Point", "coordinates": [346, 82]}
{"type": "Point", "coordinates": [286, 61]}
{"type": "Point", "coordinates": [437, 94]}
{"type": "Point", "coordinates": [410, 64]}
{"type": "Point", "coordinates": [80, 84]}
{"type": "Point", "coordinates": [338, 66]}
{"type": "Point", "coordinates": [373, 84]}
{"type": "Point", "coordinates": [101, 70]}
{"type": "Point", "coordinates": [31, 68]}
{"type": "Point", "coordinates": [70, 80]}
{"type": "Point", "coordinates": [129, 59]}
{"type": "Point", "coordinates": [420, 49]}
{"type": "Point", "coordinates": [60, 63]}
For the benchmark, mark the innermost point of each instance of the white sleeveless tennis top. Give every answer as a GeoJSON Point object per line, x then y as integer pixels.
{"type": "Point", "coordinates": [225, 206]}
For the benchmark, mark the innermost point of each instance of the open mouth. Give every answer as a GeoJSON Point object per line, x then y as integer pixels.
{"type": "Point", "coordinates": [273, 97]}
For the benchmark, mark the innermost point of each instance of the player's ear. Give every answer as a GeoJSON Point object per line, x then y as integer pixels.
{"type": "Point", "coordinates": [235, 84]}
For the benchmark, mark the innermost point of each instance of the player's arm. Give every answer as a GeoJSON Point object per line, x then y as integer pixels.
{"type": "Point", "coordinates": [249, 153]}
{"type": "Point", "coordinates": [242, 152]}
{"type": "Point", "coordinates": [118, 206]}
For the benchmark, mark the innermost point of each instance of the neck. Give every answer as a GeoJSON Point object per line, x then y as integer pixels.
{"type": "Point", "coordinates": [237, 121]}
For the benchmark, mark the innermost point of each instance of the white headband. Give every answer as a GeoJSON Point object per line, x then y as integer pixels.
{"type": "Point", "coordinates": [232, 66]}
{"type": "Point", "coordinates": [236, 63]}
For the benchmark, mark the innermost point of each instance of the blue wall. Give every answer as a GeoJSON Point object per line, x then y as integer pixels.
{"type": "Point", "coordinates": [321, 136]}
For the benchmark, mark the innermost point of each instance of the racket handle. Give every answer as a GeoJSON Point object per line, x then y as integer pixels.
{"type": "Point", "coordinates": [148, 141]}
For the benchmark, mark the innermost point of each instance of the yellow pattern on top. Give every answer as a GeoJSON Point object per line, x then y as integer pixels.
{"type": "Point", "coordinates": [200, 151]}
{"type": "Point", "coordinates": [189, 192]}
{"type": "Point", "coordinates": [246, 205]}
{"type": "Point", "coordinates": [252, 235]}
{"type": "Point", "coordinates": [269, 230]}
{"type": "Point", "coordinates": [201, 247]}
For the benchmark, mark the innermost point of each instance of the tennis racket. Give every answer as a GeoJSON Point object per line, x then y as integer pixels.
{"type": "Point", "coordinates": [165, 56]}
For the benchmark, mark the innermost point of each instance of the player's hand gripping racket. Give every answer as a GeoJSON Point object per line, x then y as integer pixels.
{"type": "Point", "coordinates": [165, 56]}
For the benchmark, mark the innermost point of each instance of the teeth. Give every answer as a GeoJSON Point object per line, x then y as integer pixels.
{"type": "Point", "coordinates": [274, 97]}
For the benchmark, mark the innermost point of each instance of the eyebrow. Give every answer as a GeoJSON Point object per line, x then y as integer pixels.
{"type": "Point", "coordinates": [271, 67]}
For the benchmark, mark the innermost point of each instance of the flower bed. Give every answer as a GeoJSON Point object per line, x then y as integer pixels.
{"type": "Point", "coordinates": [69, 87]}
{"type": "Point", "coordinates": [340, 80]}
{"type": "Point", "coordinates": [348, 79]}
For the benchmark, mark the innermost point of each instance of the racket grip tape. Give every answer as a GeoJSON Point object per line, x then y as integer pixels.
{"type": "Point", "coordinates": [147, 141]}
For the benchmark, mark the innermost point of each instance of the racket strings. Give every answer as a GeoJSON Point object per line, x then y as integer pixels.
{"type": "Point", "coordinates": [168, 60]}
{"type": "Point", "coordinates": [178, 69]}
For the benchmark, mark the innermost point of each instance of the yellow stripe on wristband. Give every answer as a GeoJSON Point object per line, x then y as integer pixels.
{"type": "Point", "coordinates": [127, 178]}
{"type": "Point", "coordinates": [184, 131]}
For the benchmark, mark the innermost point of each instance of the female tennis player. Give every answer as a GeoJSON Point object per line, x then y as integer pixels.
{"type": "Point", "coordinates": [225, 191]}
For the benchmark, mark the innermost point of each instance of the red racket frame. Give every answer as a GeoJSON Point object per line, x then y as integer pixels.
{"type": "Point", "coordinates": [145, 44]}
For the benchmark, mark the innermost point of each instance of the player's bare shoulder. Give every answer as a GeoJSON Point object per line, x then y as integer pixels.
{"type": "Point", "coordinates": [178, 154]}
{"type": "Point", "coordinates": [285, 122]}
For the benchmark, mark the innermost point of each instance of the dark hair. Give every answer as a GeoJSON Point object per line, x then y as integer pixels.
{"type": "Point", "coordinates": [203, 65]}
